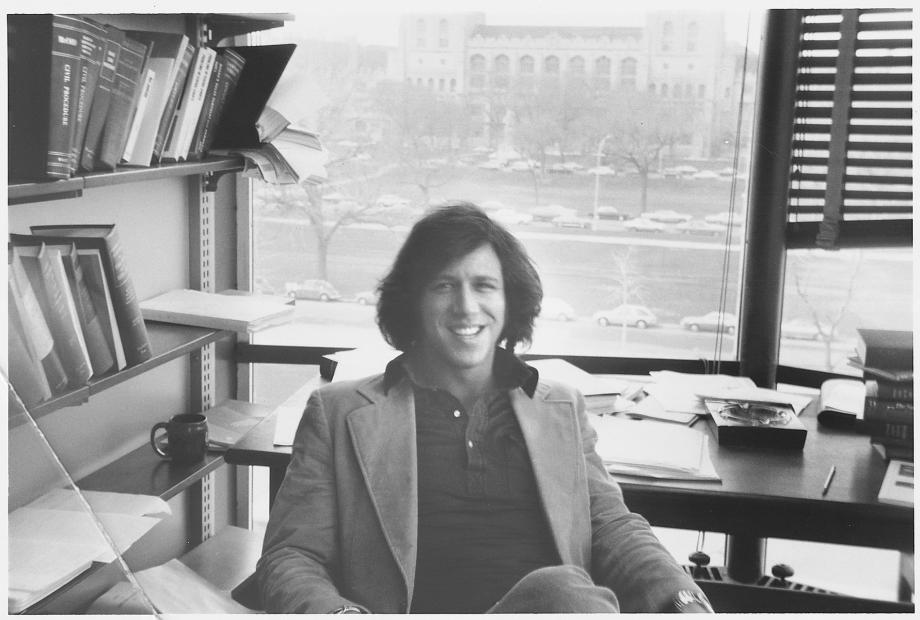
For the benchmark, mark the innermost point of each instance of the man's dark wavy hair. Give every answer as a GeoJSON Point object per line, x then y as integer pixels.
{"type": "Point", "coordinates": [442, 236]}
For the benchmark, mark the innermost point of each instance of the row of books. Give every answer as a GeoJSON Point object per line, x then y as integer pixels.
{"type": "Point", "coordinates": [73, 310]}
{"type": "Point", "coordinates": [89, 96]}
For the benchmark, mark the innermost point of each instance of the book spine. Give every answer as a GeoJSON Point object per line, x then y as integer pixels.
{"type": "Point", "coordinates": [102, 99]}
{"type": "Point", "coordinates": [175, 93]}
{"type": "Point", "coordinates": [65, 69]}
{"type": "Point", "coordinates": [192, 108]}
{"type": "Point", "coordinates": [101, 357]}
{"type": "Point", "coordinates": [90, 260]}
{"type": "Point", "coordinates": [28, 44]}
{"type": "Point", "coordinates": [893, 434]}
{"type": "Point", "coordinates": [37, 331]}
{"type": "Point", "coordinates": [124, 95]}
{"type": "Point", "coordinates": [140, 109]}
{"type": "Point", "coordinates": [878, 410]}
{"type": "Point", "coordinates": [889, 390]}
{"type": "Point", "coordinates": [233, 68]}
{"type": "Point", "coordinates": [91, 49]}
{"type": "Point", "coordinates": [26, 372]}
{"type": "Point", "coordinates": [208, 108]}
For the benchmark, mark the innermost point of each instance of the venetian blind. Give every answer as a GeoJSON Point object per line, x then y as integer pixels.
{"type": "Point", "coordinates": [852, 176]}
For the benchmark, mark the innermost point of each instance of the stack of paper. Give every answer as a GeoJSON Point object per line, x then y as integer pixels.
{"type": "Point", "coordinates": [898, 484]}
{"type": "Point", "coordinates": [230, 420]}
{"type": "Point", "coordinates": [241, 313]}
{"type": "Point", "coordinates": [601, 393]}
{"type": "Point", "coordinates": [651, 449]}
{"type": "Point", "coordinates": [54, 538]}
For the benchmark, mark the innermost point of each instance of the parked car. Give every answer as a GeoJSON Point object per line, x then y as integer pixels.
{"type": "Point", "coordinates": [725, 217]}
{"type": "Point", "coordinates": [606, 212]}
{"type": "Point", "coordinates": [802, 329]}
{"type": "Point", "coordinates": [668, 216]}
{"type": "Point", "coordinates": [699, 227]}
{"type": "Point", "coordinates": [559, 169]}
{"type": "Point", "coordinates": [705, 174]}
{"type": "Point", "coordinates": [711, 322]}
{"type": "Point", "coordinates": [312, 289]}
{"type": "Point", "coordinates": [572, 221]}
{"type": "Point", "coordinates": [366, 298]}
{"type": "Point", "coordinates": [510, 217]}
{"type": "Point", "coordinates": [640, 224]}
{"type": "Point", "coordinates": [603, 171]}
{"type": "Point", "coordinates": [548, 213]}
{"type": "Point", "coordinates": [556, 309]}
{"type": "Point", "coordinates": [631, 315]}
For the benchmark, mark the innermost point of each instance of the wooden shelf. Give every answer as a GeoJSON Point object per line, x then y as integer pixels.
{"type": "Point", "coordinates": [23, 192]}
{"type": "Point", "coordinates": [167, 342]}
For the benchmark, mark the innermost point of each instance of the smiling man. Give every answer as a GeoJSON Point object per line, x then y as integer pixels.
{"type": "Point", "coordinates": [458, 480]}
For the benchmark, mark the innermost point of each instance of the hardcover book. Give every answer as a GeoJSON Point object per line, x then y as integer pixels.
{"type": "Point", "coordinates": [97, 286]}
{"type": "Point", "coordinates": [99, 109]}
{"type": "Point", "coordinates": [885, 348]}
{"type": "Point", "coordinates": [186, 115]}
{"type": "Point", "coordinates": [890, 390]}
{"type": "Point", "coordinates": [165, 58]}
{"type": "Point", "coordinates": [172, 102]}
{"type": "Point", "coordinates": [92, 47]}
{"type": "Point", "coordinates": [26, 373]}
{"type": "Point", "coordinates": [225, 78]}
{"type": "Point", "coordinates": [104, 237]}
{"type": "Point", "coordinates": [239, 313]}
{"type": "Point", "coordinates": [125, 92]}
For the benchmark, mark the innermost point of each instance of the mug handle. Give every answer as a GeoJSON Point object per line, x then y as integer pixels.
{"type": "Point", "coordinates": [153, 442]}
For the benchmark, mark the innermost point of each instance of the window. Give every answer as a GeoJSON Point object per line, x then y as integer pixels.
{"type": "Point", "coordinates": [477, 71]}
{"type": "Point", "coordinates": [420, 38]}
{"type": "Point", "coordinates": [551, 65]}
{"type": "Point", "coordinates": [577, 65]}
{"type": "Point", "coordinates": [602, 73]}
{"type": "Point", "coordinates": [701, 91]}
{"type": "Point", "coordinates": [693, 33]}
{"type": "Point", "coordinates": [443, 39]}
{"type": "Point", "coordinates": [667, 36]}
{"type": "Point", "coordinates": [453, 85]}
{"type": "Point", "coordinates": [628, 73]}
{"type": "Point", "coordinates": [851, 180]}
{"type": "Point", "coordinates": [526, 65]}
{"type": "Point", "coordinates": [664, 91]}
{"type": "Point", "coordinates": [501, 71]}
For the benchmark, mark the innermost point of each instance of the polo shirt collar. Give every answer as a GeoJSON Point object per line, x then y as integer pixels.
{"type": "Point", "coordinates": [510, 372]}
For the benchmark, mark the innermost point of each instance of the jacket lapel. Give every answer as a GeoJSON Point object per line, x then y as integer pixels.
{"type": "Point", "coordinates": [546, 426]}
{"type": "Point", "coordinates": [383, 434]}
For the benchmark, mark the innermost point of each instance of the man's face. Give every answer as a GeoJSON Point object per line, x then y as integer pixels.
{"type": "Point", "coordinates": [463, 314]}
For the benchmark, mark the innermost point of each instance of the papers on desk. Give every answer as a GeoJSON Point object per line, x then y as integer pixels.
{"type": "Point", "coordinates": [54, 538]}
{"type": "Point", "coordinates": [650, 449]}
{"type": "Point", "coordinates": [230, 420]}
{"type": "Point", "coordinates": [672, 396]}
{"type": "Point", "coordinates": [602, 394]}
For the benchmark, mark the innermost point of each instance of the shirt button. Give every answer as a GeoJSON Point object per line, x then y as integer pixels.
{"type": "Point", "coordinates": [470, 444]}
{"type": "Point", "coordinates": [456, 413]}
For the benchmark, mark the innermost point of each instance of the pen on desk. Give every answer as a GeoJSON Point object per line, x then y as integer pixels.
{"type": "Point", "coordinates": [829, 479]}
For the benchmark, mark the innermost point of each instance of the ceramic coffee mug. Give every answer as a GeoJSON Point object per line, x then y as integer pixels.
{"type": "Point", "coordinates": [186, 438]}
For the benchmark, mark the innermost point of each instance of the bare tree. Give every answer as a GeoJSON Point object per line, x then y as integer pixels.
{"type": "Point", "coordinates": [825, 313]}
{"type": "Point", "coordinates": [625, 287]}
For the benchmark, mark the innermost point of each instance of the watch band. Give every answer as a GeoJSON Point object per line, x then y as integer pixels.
{"type": "Point", "coordinates": [685, 598]}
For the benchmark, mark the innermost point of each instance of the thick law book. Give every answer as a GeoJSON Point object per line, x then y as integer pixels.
{"type": "Point", "coordinates": [43, 61]}
{"type": "Point", "coordinates": [104, 237]}
{"type": "Point", "coordinates": [226, 75]}
{"type": "Point", "coordinates": [888, 349]}
{"type": "Point", "coordinates": [186, 115]}
{"type": "Point", "coordinates": [45, 270]}
{"type": "Point", "coordinates": [890, 390]}
{"type": "Point", "coordinates": [129, 73]}
{"type": "Point", "coordinates": [880, 410]}
{"type": "Point", "coordinates": [144, 93]}
{"type": "Point", "coordinates": [26, 372]}
{"type": "Point", "coordinates": [241, 313]}
{"type": "Point", "coordinates": [92, 47]}
{"type": "Point", "coordinates": [101, 100]}
{"type": "Point", "coordinates": [36, 332]}
{"type": "Point", "coordinates": [172, 102]}
{"type": "Point", "coordinates": [97, 345]}
{"type": "Point", "coordinates": [97, 286]}
{"type": "Point", "coordinates": [166, 51]}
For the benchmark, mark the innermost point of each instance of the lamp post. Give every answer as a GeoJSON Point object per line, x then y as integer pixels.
{"type": "Point", "coordinates": [597, 177]}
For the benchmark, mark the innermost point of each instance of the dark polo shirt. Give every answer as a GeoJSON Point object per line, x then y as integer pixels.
{"type": "Point", "coordinates": [481, 526]}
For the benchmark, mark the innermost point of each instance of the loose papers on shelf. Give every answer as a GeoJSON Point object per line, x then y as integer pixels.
{"type": "Point", "coordinates": [652, 449]}
{"type": "Point", "coordinates": [54, 538]}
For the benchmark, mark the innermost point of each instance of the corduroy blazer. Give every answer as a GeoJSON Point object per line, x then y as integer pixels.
{"type": "Point", "coordinates": [343, 528]}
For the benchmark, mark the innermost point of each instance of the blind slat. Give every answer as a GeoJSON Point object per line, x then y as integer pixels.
{"type": "Point", "coordinates": [876, 130]}
{"type": "Point", "coordinates": [855, 162]}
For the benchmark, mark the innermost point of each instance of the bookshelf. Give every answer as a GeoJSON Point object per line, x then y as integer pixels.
{"type": "Point", "coordinates": [178, 228]}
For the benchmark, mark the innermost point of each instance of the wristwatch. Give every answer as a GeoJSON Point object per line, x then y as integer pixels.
{"type": "Point", "coordinates": [347, 609]}
{"type": "Point", "coordinates": [685, 598]}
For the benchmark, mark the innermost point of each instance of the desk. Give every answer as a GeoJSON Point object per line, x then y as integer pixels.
{"type": "Point", "coordinates": [763, 494]}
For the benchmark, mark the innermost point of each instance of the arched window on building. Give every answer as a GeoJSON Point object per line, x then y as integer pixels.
{"type": "Point", "coordinates": [577, 65]}
{"type": "Point", "coordinates": [418, 82]}
{"type": "Point", "coordinates": [693, 34]}
{"type": "Point", "coordinates": [453, 85]}
{"type": "Point", "coordinates": [477, 71]}
{"type": "Point", "coordinates": [441, 84]}
{"type": "Point", "coordinates": [676, 92]}
{"type": "Point", "coordinates": [501, 71]}
{"type": "Point", "coordinates": [551, 65]}
{"type": "Point", "coordinates": [688, 91]}
{"type": "Point", "coordinates": [628, 70]}
{"type": "Point", "coordinates": [651, 88]}
{"type": "Point", "coordinates": [526, 65]}
{"type": "Point", "coordinates": [664, 91]}
{"type": "Point", "coordinates": [420, 33]}
{"type": "Point", "coordinates": [443, 38]}
{"type": "Point", "coordinates": [701, 91]}
{"type": "Point", "coordinates": [430, 83]}
{"type": "Point", "coordinates": [526, 71]}
{"type": "Point", "coordinates": [667, 36]}
{"type": "Point", "coordinates": [602, 73]}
